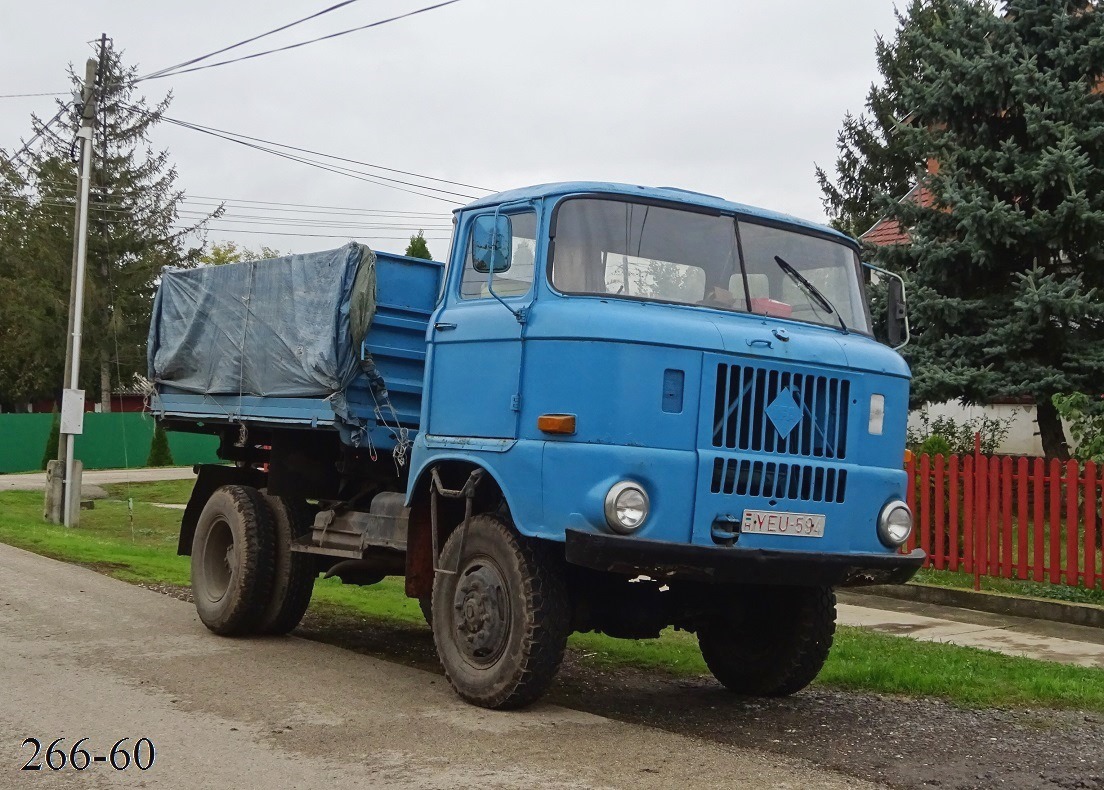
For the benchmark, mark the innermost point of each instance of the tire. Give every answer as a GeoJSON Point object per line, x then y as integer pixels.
{"type": "Point", "coordinates": [501, 623]}
{"type": "Point", "coordinates": [232, 560]}
{"type": "Point", "coordinates": [294, 572]}
{"type": "Point", "coordinates": [775, 642]}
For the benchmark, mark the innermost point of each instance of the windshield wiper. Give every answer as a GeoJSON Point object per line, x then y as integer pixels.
{"type": "Point", "coordinates": [811, 290]}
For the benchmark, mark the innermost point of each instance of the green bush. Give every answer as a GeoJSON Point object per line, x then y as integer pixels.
{"type": "Point", "coordinates": [51, 451]}
{"type": "Point", "coordinates": [958, 436]}
{"type": "Point", "coordinates": [1085, 416]}
{"type": "Point", "coordinates": [159, 454]}
{"type": "Point", "coordinates": [934, 445]}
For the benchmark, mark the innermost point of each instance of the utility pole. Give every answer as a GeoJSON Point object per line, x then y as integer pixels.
{"type": "Point", "coordinates": [72, 402]}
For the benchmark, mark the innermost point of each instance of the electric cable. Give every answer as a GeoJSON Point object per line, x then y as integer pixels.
{"type": "Point", "coordinates": [193, 61]}
{"type": "Point", "coordinates": [340, 171]}
{"type": "Point", "coordinates": [345, 159]}
{"type": "Point", "coordinates": [168, 73]}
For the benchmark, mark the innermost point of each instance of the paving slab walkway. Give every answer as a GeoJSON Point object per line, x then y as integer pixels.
{"type": "Point", "coordinates": [36, 481]}
{"type": "Point", "coordinates": [1014, 636]}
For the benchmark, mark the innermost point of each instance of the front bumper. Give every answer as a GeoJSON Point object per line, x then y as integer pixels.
{"type": "Point", "coordinates": [730, 564]}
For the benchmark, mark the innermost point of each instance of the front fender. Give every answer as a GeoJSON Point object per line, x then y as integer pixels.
{"type": "Point", "coordinates": [515, 467]}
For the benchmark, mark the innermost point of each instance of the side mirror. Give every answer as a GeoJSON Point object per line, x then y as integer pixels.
{"type": "Point", "coordinates": [897, 323]}
{"type": "Point", "coordinates": [492, 242]}
{"type": "Point", "coordinates": [897, 314]}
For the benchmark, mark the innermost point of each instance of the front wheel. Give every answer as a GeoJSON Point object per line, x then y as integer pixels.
{"type": "Point", "coordinates": [500, 623]}
{"type": "Point", "coordinates": [773, 640]}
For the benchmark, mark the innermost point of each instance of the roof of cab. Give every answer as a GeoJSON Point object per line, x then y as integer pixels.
{"type": "Point", "coordinates": [668, 194]}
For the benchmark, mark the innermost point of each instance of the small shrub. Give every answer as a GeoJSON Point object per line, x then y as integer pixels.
{"type": "Point", "coordinates": [959, 436]}
{"type": "Point", "coordinates": [934, 445]}
{"type": "Point", "coordinates": [159, 454]}
{"type": "Point", "coordinates": [51, 451]}
{"type": "Point", "coordinates": [1085, 416]}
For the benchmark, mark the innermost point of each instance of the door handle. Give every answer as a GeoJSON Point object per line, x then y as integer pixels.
{"type": "Point", "coordinates": [760, 341]}
{"type": "Point", "coordinates": [441, 326]}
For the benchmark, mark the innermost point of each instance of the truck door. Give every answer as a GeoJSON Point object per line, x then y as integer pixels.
{"type": "Point", "coordinates": [475, 348]}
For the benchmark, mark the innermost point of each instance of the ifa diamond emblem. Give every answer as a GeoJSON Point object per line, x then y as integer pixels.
{"type": "Point", "coordinates": [784, 412]}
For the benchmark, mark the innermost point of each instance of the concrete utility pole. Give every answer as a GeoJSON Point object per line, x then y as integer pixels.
{"type": "Point", "coordinates": [72, 402]}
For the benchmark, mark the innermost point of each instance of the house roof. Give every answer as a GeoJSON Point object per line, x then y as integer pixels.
{"type": "Point", "coordinates": [887, 231]}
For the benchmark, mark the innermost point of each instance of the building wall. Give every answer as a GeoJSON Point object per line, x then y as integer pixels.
{"type": "Point", "coordinates": [1023, 436]}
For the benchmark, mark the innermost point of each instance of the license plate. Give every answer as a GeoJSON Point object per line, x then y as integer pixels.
{"type": "Point", "coordinates": [770, 522]}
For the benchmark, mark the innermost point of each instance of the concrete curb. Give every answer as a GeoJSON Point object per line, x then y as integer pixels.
{"type": "Point", "coordinates": [995, 603]}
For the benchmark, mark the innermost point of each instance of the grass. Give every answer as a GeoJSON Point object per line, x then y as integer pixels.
{"type": "Point", "coordinates": [1057, 592]}
{"type": "Point", "coordinates": [168, 492]}
{"type": "Point", "coordinates": [139, 544]}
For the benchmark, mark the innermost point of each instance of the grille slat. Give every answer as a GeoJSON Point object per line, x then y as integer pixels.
{"type": "Point", "coordinates": [744, 393]}
{"type": "Point", "coordinates": [778, 480]}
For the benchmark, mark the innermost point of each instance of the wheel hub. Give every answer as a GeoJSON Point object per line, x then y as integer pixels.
{"type": "Point", "coordinates": [482, 613]}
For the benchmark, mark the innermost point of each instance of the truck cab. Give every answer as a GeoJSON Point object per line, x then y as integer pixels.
{"type": "Point", "coordinates": [640, 408]}
{"type": "Point", "coordinates": [647, 384]}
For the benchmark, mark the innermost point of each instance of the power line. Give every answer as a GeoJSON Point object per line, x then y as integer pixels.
{"type": "Point", "coordinates": [167, 73]}
{"type": "Point", "coordinates": [43, 128]}
{"type": "Point", "coordinates": [298, 215]}
{"type": "Point", "coordinates": [26, 95]}
{"type": "Point", "coordinates": [340, 171]}
{"type": "Point", "coordinates": [164, 71]}
{"type": "Point", "coordinates": [242, 139]}
{"type": "Point", "coordinates": [311, 205]}
{"type": "Point", "coordinates": [313, 235]}
{"type": "Point", "coordinates": [351, 161]}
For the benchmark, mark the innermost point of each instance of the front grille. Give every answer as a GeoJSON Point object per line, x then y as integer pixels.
{"type": "Point", "coordinates": [780, 412]}
{"type": "Point", "coordinates": [776, 480]}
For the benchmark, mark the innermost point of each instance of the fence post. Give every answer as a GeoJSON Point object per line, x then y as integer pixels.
{"type": "Point", "coordinates": [1090, 524]}
{"type": "Point", "coordinates": [925, 505]}
{"type": "Point", "coordinates": [981, 475]}
{"type": "Point", "coordinates": [1022, 520]}
{"type": "Point", "coordinates": [1055, 524]}
{"type": "Point", "coordinates": [969, 477]}
{"type": "Point", "coordinates": [1038, 521]}
{"type": "Point", "coordinates": [953, 531]}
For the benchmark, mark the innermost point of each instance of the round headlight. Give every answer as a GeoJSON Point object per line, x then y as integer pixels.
{"type": "Point", "coordinates": [626, 507]}
{"type": "Point", "coordinates": [895, 524]}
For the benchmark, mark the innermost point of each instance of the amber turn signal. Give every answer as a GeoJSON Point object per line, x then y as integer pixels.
{"type": "Point", "coordinates": [557, 423]}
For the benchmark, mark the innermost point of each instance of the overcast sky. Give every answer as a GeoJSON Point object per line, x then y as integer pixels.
{"type": "Point", "coordinates": [737, 98]}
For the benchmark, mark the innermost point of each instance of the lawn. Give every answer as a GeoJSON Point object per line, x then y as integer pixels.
{"type": "Point", "coordinates": [136, 541]}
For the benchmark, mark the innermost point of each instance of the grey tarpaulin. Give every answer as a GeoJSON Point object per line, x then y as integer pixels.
{"type": "Point", "coordinates": [286, 327]}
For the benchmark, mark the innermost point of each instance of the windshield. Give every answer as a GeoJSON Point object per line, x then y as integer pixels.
{"type": "Point", "coordinates": [618, 248]}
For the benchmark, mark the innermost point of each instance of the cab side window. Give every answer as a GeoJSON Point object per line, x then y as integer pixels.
{"type": "Point", "coordinates": [518, 279]}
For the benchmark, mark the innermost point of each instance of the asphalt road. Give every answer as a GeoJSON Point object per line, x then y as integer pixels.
{"type": "Point", "coordinates": [83, 655]}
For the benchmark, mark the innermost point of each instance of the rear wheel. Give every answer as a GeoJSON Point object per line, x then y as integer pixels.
{"type": "Point", "coordinates": [773, 641]}
{"type": "Point", "coordinates": [232, 560]}
{"type": "Point", "coordinates": [501, 622]}
{"type": "Point", "coordinates": [294, 574]}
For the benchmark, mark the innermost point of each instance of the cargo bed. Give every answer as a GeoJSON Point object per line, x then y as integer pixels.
{"type": "Point", "coordinates": [405, 293]}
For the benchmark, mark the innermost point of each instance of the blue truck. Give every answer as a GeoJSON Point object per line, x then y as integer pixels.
{"type": "Point", "coordinates": [614, 408]}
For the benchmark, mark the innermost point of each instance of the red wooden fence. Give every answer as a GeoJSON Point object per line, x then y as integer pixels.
{"type": "Point", "coordinates": [1013, 518]}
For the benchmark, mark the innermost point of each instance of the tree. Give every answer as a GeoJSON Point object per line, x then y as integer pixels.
{"type": "Point", "coordinates": [52, 440]}
{"type": "Point", "coordinates": [134, 230]}
{"type": "Point", "coordinates": [1007, 264]}
{"type": "Point", "coordinates": [417, 248]}
{"type": "Point", "coordinates": [229, 252]}
{"type": "Point", "coordinates": [870, 167]}
{"type": "Point", "coordinates": [159, 454]}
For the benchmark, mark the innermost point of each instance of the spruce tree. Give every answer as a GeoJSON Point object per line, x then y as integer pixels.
{"type": "Point", "coordinates": [134, 229]}
{"type": "Point", "coordinates": [870, 167]}
{"type": "Point", "coordinates": [159, 454]}
{"type": "Point", "coordinates": [1007, 265]}
{"type": "Point", "coordinates": [417, 248]}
